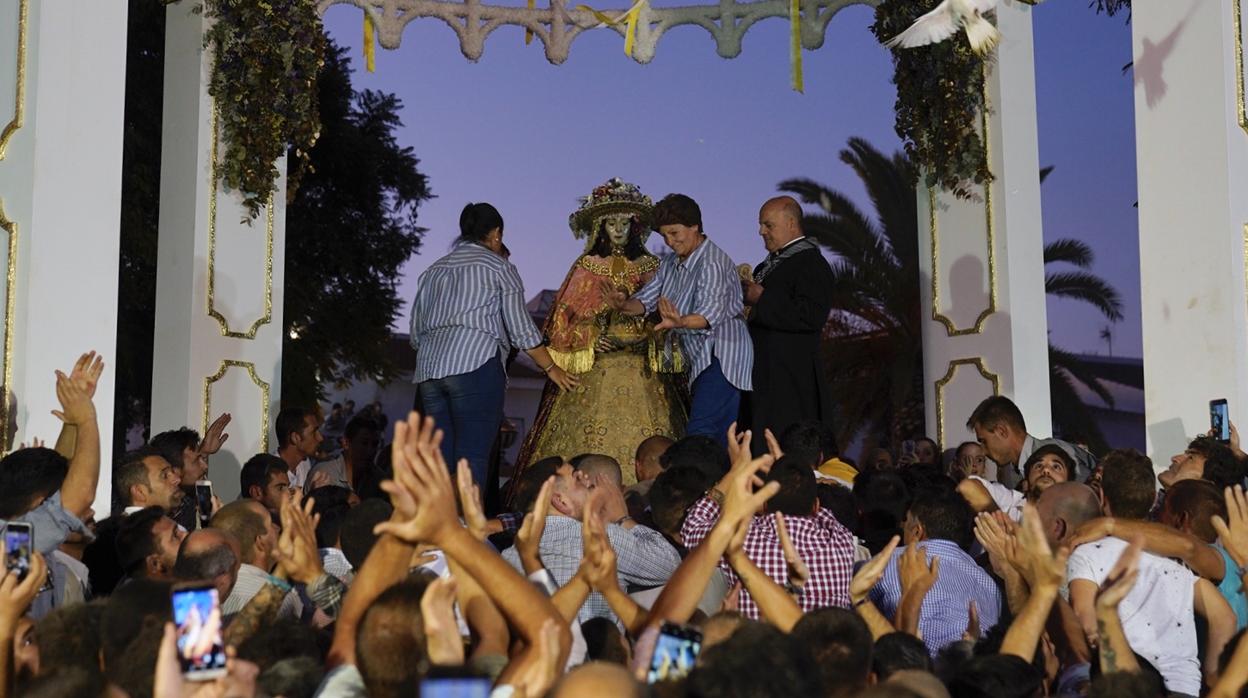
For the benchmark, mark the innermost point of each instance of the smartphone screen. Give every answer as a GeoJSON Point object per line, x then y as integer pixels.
{"type": "Point", "coordinates": [203, 499]}
{"type": "Point", "coordinates": [907, 447]}
{"type": "Point", "coordinates": [463, 687]}
{"type": "Point", "coordinates": [17, 547]}
{"type": "Point", "coordinates": [1219, 420]}
{"type": "Point", "coordinates": [197, 615]}
{"type": "Point", "coordinates": [674, 653]}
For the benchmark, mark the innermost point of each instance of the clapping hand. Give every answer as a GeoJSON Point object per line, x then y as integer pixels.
{"type": "Point", "coordinates": [799, 573]}
{"type": "Point", "coordinates": [444, 645]}
{"type": "Point", "coordinates": [470, 500]}
{"type": "Point", "coordinates": [421, 480]}
{"type": "Point", "coordinates": [870, 573]}
{"type": "Point", "coordinates": [917, 573]}
{"type": "Point", "coordinates": [297, 555]}
{"type": "Point", "coordinates": [993, 534]}
{"type": "Point", "coordinates": [1032, 556]}
{"type": "Point", "coordinates": [600, 570]}
{"type": "Point", "coordinates": [529, 537]}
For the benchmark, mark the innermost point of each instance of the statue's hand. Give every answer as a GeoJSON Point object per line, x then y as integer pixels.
{"type": "Point", "coordinates": [605, 344]}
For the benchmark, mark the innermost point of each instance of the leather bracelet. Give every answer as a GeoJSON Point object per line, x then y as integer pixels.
{"type": "Point", "coordinates": [715, 496]}
{"type": "Point", "coordinates": [859, 603]}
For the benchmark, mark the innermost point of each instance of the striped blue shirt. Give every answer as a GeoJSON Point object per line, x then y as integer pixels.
{"type": "Point", "coordinates": [469, 308]}
{"type": "Point", "coordinates": [706, 284]}
{"type": "Point", "coordinates": [945, 610]}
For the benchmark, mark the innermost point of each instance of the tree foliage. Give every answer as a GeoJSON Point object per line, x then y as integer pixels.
{"type": "Point", "coordinates": [349, 229]}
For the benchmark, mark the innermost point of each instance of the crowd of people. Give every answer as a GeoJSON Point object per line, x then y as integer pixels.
{"type": "Point", "coordinates": [727, 559]}
{"type": "Point", "coordinates": [799, 572]}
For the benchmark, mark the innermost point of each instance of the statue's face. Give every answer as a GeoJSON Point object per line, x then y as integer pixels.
{"type": "Point", "coordinates": [618, 227]}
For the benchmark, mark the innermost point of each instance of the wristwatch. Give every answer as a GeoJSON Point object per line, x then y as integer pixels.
{"type": "Point", "coordinates": [715, 496]}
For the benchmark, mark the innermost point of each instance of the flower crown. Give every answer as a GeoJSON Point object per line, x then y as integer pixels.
{"type": "Point", "coordinates": [612, 196]}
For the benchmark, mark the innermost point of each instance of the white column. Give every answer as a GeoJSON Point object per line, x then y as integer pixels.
{"type": "Point", "coordinates": [1191, 139]}
{"type": "Point", "coordinates": [62, 90]}
{"type": "Point", "coordinates": [981, 274]}
{"type": "Point", "coordinates": [218, 344]}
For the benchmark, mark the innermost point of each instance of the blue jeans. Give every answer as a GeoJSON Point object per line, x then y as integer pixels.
{"type": "Point", "coordinates": [714, 405]}
{"type": "Point", "coordinates": [468, 408]}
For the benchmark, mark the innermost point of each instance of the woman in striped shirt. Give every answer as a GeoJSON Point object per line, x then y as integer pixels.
{"type": "Point", "coordinates": [468, 314]}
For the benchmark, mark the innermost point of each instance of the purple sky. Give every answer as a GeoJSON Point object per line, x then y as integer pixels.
{"type": "Point", "coordinates": [531, 137]}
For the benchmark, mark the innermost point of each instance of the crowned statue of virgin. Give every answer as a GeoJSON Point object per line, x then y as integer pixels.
{"type": "Point", "coordinates": [630, 387]}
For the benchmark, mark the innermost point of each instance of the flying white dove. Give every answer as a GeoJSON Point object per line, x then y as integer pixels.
{"type": "Point", "coordinates": [945, 21]}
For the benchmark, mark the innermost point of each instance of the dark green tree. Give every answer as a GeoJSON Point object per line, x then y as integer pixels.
{"type": "Point", "coordinates": [349, 229]}
{"type": "Point", "coordinates": [874, 343]}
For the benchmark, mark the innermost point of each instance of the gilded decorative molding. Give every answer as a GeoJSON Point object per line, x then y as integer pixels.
{"type": "Point", "coordinates": [212, 253]}
{"type": "Point", "coordinates": [978, 363]}
{"type": "Point", "coordinates": [19, 96]}
{"type": "Point", "coordinates": [10, 312]}
{"type": "Point", "coordinates": [1241, 81]}
{"type": "Point", "coordinates": [951, 327]}
{"type": "Point", "coordinates": [226, 364]}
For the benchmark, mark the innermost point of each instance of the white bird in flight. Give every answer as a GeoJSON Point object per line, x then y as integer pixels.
{"type": "Point", "coordinates": [945, 21]}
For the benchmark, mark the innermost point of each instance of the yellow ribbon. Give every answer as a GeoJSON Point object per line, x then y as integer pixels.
{"type": "Point", "coordinates": [631, 17]}
{"type": "Point", "coordinates": [370, 47]}
{"type": "Point", "coordinates": [528, 33]}
{"type": "Point", "coordinates": [795, 45]}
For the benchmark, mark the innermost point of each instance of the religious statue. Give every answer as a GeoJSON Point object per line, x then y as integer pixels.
{"type": "Point", "coordinates": [630, 384]}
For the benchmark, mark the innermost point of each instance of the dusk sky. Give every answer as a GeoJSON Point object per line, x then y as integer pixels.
{"type": "Point", "coordinates": [531, 137]}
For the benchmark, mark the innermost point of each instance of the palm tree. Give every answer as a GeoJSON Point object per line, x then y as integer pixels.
{"type": "Point", "coordinates": [874, 347]}
{"type": "Point", "coordinates": [874, 344]}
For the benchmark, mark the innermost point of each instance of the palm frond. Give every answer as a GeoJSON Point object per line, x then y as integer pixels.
{"type": "Point", "coordinates": [1071, 417]}
{"type": "Point", "coordinates": [1086, 287]}
{"type": "Point", "coordinates": [1070, 251]}
{"type": "Point", "coordinates": [890, 185]}
{"type": "Point", "coordinates": [1045, 172]}
{"type": "Point", "coordinates": [1068, 362]}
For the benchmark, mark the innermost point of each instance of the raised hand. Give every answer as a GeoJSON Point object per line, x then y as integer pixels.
{"type": "Point", "coordinates": [773, 446]}
{"type": "Point", "coordinates": [215, 436]}
{"type": "Point", "coordinates": [470, 500]}
{"type": "Point", "coordinates": [76, 405]}
{"type": "Point", "coordinates": [669, 316]}
{"type": "Point", "coordinates": [537, 677]}
{"type": "Point", "coordinates": [870, 573]}
{"type": "Point", "coordinates": [738, 444]}
{"type": "Point", "coordinates": [297, 554]}
{"type": "Point", "coordinates": [529, 537]}
{"type": "Point", "coordinates": [87, 371]}
{"type": "Point", "coordinates": [971, 634]}
{"type": "Point", "coordinates": [917, 574]}
{"type": "Point", "coordinates": [1233, 530]}
{"type": "Point", "coordinates": [437, 609]}
{"type": "Point", "coordinates": [992, 535]}
{"type": "Point", "coordinates": [601, 572]}
{"type": "Point", "coordinates": [799, 573]}
{"type": "Point", "coordinates": [741, 500]}
{"type": "Point", "coordinates": [1033, 557]}
{"type": "Point", "coordinates": [35, 442]}
{"type": "Point", "coordinates": [420, 475]}
{"type": "Point", "coordinates": [239, 680]}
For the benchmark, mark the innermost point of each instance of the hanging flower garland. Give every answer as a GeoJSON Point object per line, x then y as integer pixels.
{"type": "Point", "coordinates": [266, 58]}
{"type": "Point", "coordinates": [940, 100]}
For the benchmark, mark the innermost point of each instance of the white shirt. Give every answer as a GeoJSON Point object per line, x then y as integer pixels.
{"type": "Point", "coordinates": [1157, 614]}
{"type": "Point", "coordinates": [1007, 499]}
{"type": "Point", "coordinates": [299, 476]}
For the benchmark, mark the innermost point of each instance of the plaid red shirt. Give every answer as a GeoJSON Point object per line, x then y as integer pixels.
{"type": "Point", "coordinates": [823, 543]}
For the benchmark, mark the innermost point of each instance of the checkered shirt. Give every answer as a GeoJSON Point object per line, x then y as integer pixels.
{"type": "Point", "coordinates": [823, 543]}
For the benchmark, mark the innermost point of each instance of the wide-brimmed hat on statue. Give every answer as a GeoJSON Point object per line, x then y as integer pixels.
{"type": "Point", "coordinates": [612, 196]}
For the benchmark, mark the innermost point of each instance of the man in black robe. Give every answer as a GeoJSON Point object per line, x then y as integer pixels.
{"type": "Point", "coordinates": [789, 299]}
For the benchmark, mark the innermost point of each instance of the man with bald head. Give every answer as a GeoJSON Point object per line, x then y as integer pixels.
{"type": "Point", "coordinates": [1064, 507]}
{"type": "Point", "coordinates": [789, 299]}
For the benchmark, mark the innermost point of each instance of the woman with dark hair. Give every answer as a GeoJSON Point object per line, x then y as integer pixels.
{"type": "Point", "coordinates": [627, 391]}
{"type": "Point", "coordinates": [467, 315]}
